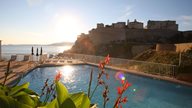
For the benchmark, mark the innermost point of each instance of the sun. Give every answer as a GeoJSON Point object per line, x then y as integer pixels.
{"type": "Point", "coordinates": [67, 27]}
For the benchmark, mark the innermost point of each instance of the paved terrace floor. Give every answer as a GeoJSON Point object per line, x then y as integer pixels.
{"type": "Point", "coordinates": [17, 68]}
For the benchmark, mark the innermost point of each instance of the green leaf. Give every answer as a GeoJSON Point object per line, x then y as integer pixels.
{"type": "Point", "coordinates": [19, 94]}
{"type": "Point", "coordinates": [68, 103]}
{"type": "Point", "coordinates": [31, 92]}
{"type": "Point", "coordinates": [3, 89]}
{"type": "Point", "coordinates": [62, 92]}
{"type": "Point", "coordinates": [26, 99]}
{"type": "Point", "coordinates": [2, 92]}
{"type": "Point", "coordinates": [81, 100]}
{"type": "Point", "coordinates": [4, 102]}
{"type": "Point", "coordinates": [16, 89]}
{"type": "Point", "coordinates": [53, 104]}
{"type": "Point", "coordinates": [85, 102]}
{"type": "Point", "coordinates": [8, 102]}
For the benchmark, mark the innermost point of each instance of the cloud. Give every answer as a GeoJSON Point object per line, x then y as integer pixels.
{"type": "Point", "coordinates": [34, 2]}
{"type": "Point", "coordinates": [185, 19]}
{"type": "Point", "coordinates": [185, 22]}
{"type": "Point", "coordinates": [126, 13]}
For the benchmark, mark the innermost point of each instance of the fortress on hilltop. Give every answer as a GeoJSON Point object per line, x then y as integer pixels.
{"type": "Point", "coordinates": [130, 37]}
{"type": "Point", "coordinates": [134, 31]}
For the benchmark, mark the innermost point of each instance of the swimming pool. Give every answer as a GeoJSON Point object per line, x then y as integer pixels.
{"type": "Point", "coordinates": [144, 92]}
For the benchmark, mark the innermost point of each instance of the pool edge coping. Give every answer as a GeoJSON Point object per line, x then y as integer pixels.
{"type": "Point", "coordinates": [173, 80]}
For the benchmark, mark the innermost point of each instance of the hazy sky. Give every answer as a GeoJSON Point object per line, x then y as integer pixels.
{"type": "Point", "coordinates": [49, 21]}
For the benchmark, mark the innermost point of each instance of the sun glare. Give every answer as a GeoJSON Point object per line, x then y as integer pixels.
{"type": "Point", "coordinates": [67, 72]}
{"type": "Point", "coordinates": [67, 27]}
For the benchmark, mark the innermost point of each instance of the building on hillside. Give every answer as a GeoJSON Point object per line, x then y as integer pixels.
{"type": "Point", "coordinates": [134, 25]}
{"type": "Point", "coordinates": [119, 25]}
{"type": "Point", "coordinates": [100, 25]}
{"type": "Point", "coordinates": [166, 25]}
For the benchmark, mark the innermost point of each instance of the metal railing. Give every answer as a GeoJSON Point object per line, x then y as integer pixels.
{"type": "Point", "coordinates": [140, 66]}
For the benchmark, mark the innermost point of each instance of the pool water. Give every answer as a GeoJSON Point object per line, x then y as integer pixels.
{"type": "Point", "coordinates": [144, 92]}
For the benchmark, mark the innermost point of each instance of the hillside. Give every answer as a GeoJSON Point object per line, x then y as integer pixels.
{"type": "Point", "coordinates": [183, 71]}
{"type": "Point", "coordinates": [166, 57]}
{"type": "Point", "coordinates": [159, 57]}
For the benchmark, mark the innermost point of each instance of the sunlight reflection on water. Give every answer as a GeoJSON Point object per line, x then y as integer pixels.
{"type": "Point", "coordinates": [67, 74]}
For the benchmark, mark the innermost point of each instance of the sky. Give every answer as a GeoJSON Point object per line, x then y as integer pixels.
{"type": "Point", "coordinates": [50, 21]}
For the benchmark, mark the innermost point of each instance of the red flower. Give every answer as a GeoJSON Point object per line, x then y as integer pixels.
{"type": "Point", "coordinates": [124, 100]}
{"type": "Point", "coordinates": [101, 82]}
{"type": "Point", "coordinates": [126, 85]}
{"type": "Point", "coordinates": [58, 76]}
{"type": "Point", "coordinates": [122, 81]}
{"type": "Point", "coordinates": [101, 65]}
{"type": "Point", "coordinates": [119, 90]}
{"type": "Point", "coordinates": [107, 59]}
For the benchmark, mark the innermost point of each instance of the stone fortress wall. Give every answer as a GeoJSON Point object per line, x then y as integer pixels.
{"type": "Point", "coordinates": [168, 25]}
{"type": "Point", "coordinates": [181, 47]}
{"type": "Point", "coordinates": [158, 30]}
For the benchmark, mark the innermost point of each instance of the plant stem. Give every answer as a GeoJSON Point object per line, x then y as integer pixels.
{"type": "Point", "coordinates": [116, 102]}
{"type": "Point", "coordinates": [94, 90]}
{"type": "Point", "coordinates": [90, 81]}
{"type": "Point", "coordinates": [7, 72]}
{"type": "Point", "coordinates": [104, 103]}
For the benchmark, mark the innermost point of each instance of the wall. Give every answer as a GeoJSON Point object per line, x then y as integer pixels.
{"type": "Point", "coordinates": [165, 47]}
{"type": "Point", "coordinates": [135, 25]}
{"type": "Point", "coordinates": [106, 35]}
{"type": "Point", "coordinates": [169, 25]}
{"type": "Point", "coordinates": [100, 25]}
{"type": "Point", "coordinates": [119, 25]}
{"type": "Point", "coordinates": [149, 36]}
{"type": "Point", "coordinates": [183, 47]}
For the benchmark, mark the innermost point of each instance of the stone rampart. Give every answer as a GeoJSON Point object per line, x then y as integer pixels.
{"type": "Point", "coordinates": [165, 47]}
{"type": "Point", "coordinates": [149, 36]}
{"type": "Point", "coordinates": [106, 35]}
{"type": "Point", "coordinates": [182, 47]}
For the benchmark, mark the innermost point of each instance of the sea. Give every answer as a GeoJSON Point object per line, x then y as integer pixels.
{"type": "Point", "coordinates": [8, 50]}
